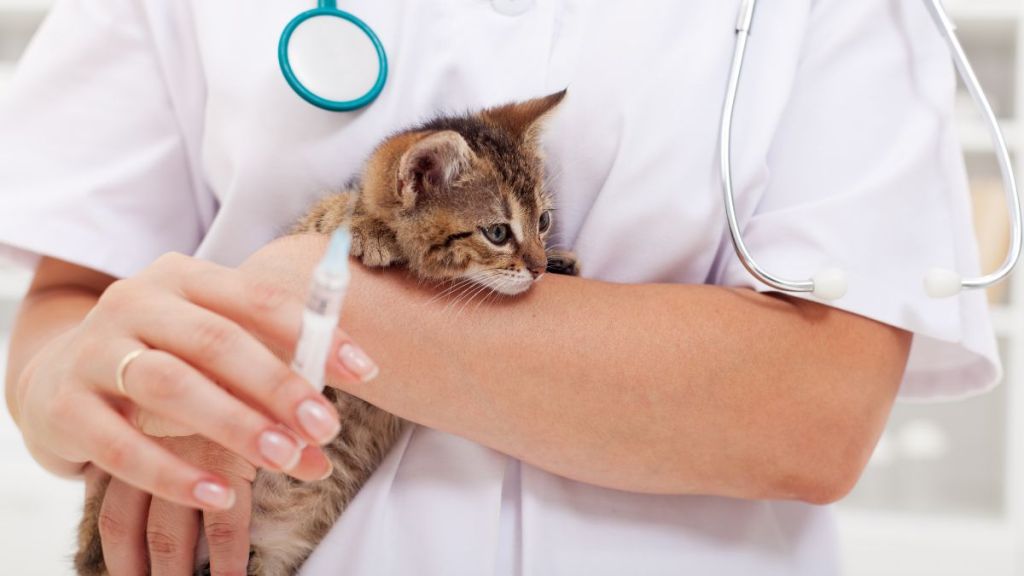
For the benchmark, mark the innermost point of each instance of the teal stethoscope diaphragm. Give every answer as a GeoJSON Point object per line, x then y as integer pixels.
{"type": "Point", "coordinates": [332, 59]}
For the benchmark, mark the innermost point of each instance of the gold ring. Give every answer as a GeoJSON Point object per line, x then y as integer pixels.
{"type": "Point", "coordinates": [124, 366]}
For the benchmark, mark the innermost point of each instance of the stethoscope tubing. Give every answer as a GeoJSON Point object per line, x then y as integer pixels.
{"type": "Point", "coordinates": [966, 72]}
{"type": "Point", "coordinates": [970, 80]}
{"type": "Point", "coordinates": [725, 155]}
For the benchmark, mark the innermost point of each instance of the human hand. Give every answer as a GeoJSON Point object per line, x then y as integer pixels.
{"type": "Point", "coordinates": [202, 371]}
{"type": "Point", "coordinates": [140, 534]}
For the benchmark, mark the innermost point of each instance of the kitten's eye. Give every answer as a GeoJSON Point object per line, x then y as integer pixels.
{"type": "Point", "coordinates": [545, 221]}
{"type": "Point", "coordinates": [498, 234]}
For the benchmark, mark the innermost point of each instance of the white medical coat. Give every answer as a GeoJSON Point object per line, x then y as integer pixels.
{"type": "Point", "coordinates": [136, 127]}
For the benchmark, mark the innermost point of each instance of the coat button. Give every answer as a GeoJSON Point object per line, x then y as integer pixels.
{"type": "Point", "coordinates": [512, 7]}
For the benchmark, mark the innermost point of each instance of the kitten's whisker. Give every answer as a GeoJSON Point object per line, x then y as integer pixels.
{"type": "Point", "coordinates": [551, 175]}
{"type": "Point", "coordinates": [489, 293]}
{"type": "Point", "coordinates": [439, 295]}
{"type": "Point", "coordinates": [495, 295]}
{"type": "Point", "coordinates": [455, 288]}
{"type": "Point", "coordinates": [481, 288]}
{"type": "Point", "coordinates": [461, 298]}
{"type": "Point", "coordinates": [461, 291]}
{"type": "Point", "coordinates": [455, 301]}
{"type": "Point", "coordinates": [482, 300]}
{"type": "Point", "coordinates": [470, 288]}
{"type": "Point", "coordinates": [457, 283]}
{"type": "Point", "coordinates": [555, 244]}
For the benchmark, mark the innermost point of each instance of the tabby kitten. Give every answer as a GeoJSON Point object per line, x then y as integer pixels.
{"type": "Point", "coordinates": [459, 198]}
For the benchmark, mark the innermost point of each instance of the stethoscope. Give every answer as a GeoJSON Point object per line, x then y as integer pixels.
{"type": "Point", "coordinates": [831, 284]}
{"type": "Point", "coordinates": [332, 59]}
{"type": "Point", "coordinates": [335, 61]}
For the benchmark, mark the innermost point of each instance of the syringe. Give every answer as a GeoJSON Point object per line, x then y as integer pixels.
{"type": "Point", "coordinates": [323, 310]}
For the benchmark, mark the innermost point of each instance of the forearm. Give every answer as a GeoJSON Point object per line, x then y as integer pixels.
{"type": "Point", "coordinates": [655, 388]}
{"type": "Point", "coordinates": [646, 388]}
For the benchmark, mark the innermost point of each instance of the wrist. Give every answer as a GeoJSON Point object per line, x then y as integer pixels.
{"type": "Point", "coordinates": [287, 262]}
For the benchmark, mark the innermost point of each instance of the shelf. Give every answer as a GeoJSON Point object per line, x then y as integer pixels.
{"type": "Point", "coordinates": [893, 544]}
{"type": "Point", "coordinates": [999, 12]}
{"type": "Point", "coordinates": [974, 134]}
{"type": "Point", "coordinates": [1005, 320]}
{"type": "Point", "coordinates": [25, 6]}
{"type": "Point", "coordinates": [18, 17]}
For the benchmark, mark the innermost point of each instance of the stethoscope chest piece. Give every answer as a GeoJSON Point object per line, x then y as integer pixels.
{"type": "Point", "coordinates": [332, 59]}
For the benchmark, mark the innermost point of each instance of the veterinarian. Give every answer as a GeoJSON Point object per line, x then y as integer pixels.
{"type": "Point", "coordinates": [664, 414]}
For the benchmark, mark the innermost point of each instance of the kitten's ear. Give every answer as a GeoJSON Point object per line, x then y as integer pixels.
{"type": "Point", "coordinates": [523, 118]}
{"type": "Point", "coordinates": [431, 164]}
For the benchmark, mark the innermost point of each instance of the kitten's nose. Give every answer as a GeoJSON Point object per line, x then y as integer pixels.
{"type": "Point", "coordinates": [536, 261]}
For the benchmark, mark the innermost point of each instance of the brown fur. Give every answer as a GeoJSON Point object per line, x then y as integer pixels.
{"type": "Point", "coordinates": [426, 199]}
{"type": "Point", "coordinates": [89, 559]}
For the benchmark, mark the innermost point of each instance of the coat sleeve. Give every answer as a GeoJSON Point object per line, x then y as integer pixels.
{"type": "Point", "coordinates": [93, 166]}
{"type": "Point", "coordinates": [865, 173]}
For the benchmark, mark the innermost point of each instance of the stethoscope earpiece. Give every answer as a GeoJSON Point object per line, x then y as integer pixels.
{"type": "Point", "coordinates": [943, 283]}
{"type": "Point", "coordinates": [830, 284]}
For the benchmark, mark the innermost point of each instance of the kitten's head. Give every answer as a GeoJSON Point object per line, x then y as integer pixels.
{"type": "Point", "coordinates": [466, 195]}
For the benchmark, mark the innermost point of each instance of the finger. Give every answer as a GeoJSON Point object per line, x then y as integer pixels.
{"type": "Point", "coordinates": [349, 360]}
{"type": "Point", "coordinates": [171, 535]}
{"type": "Point", "coordinates": [268, 310]}
{"type": "Point", "coordinates": [313, 466]}
{"type": "Point", "coordinates": [227, 532]}
{"type": "Point", "coordinates": [122, 525]}
{"type": "Point", "coordinates": [118, 448]}
{"type": "Point", "coordinates": [160, 383]}
{"type": "Point", "coordinates": [260, 306]}
{"type": "Point", "coordinates": [233, 357]}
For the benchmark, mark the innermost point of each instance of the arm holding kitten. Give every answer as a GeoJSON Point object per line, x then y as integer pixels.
{"type": "Point", "coordinates": [647, 388]}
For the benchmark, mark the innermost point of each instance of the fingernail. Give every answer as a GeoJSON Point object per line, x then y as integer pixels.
{"type": "Point", "coordinates": [293, 436]}
{"type": "Point", "coordinates": [317, 421]}
{"type": "Point", "coordinates": [214, 495]}
{"type": "Point", "coordinates": [353, 358]}
{"type": "Point", "coordinates": [279, 450]}
{"type": "Point", "coordinates": [330, 470]}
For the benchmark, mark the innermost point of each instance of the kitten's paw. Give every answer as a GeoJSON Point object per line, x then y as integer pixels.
{"type": "Point", "coordinates": [376, 247]}
{"type": "Point", "coordinates": [255, 564]}
{"type": "Point", "coordinates": [563, 262]}
{"type": "Point", "coordinates": [255, 567]}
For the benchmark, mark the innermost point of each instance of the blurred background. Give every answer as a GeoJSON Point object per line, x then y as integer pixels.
{"type": "Point", "coordinates": [944, 493]}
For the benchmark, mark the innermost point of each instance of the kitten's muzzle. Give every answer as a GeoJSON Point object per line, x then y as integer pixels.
{"type": "Point", "coordinates": [535, 262]}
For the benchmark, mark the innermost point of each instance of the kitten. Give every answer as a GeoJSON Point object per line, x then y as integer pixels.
{"type": "Point", "coordinates": [459, 198]}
